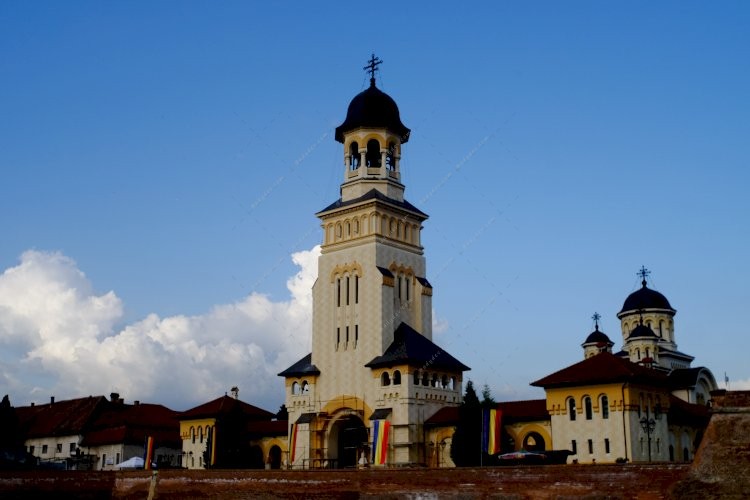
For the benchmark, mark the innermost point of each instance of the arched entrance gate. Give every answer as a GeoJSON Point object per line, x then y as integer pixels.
{"type": "Point", "coordinates": [347, 440]}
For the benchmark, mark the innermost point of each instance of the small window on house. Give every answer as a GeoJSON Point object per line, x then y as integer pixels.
{"type": "Point", "coordinates": [572, 409]}
{"type": "Point", "coordinates": [587, 408]}
{"type": "Point", "coordinates": [605, 407]}
{"type": "Point", "coordinates": [396, 377]}
{"type": "Point", "coordinates": [200, 433]}
{"type": "Point", "coordinates": [606, 445]}
{"type": "Point", "coordinates": [347, 334]}
{"type": "Point", "coordinates": [117, 458]}
{"type": "Point", "coordinates": [385, 379]}
{"type": "Point", "coordinates": [72, 449]}
{"type": "Point", "coordinates": [574, 447]}
{"type": "Point", "coordinates": [356, 335]}
{"type": "Point", "coordinates": [31, 450]}
{"type": "Point", "coordinates": [44, 449]}
{"type": "Point", "coordinates": [192, 434]}
{"type": "Point", "coordinates": [591, 446]}
{"type": "Point", "coordinates": [338, 338]}
{"type": "Point", "coordinates": [58, 448]}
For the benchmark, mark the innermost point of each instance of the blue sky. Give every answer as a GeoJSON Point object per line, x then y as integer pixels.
{"type": "Point", "coordinates": [162, 161]}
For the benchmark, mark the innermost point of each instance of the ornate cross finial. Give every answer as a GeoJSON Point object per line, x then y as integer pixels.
{"type": "Point", "coordinates": [643, 273]}
{"type": "Point", "coordinates": [372, 66]}
{"type": "Point", "coordinates": [596, 317]}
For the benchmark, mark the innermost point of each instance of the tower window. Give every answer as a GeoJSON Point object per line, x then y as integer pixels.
{"type": "Point", "coordinates": [338, 338]}
{"type": "Point", "coordinates": [354, 153]}
{"type": "Point", "coordinates": [385, 379]}
{"type": "Point", "coordinates": [605, 407]}
{"type": "Point", "coordinates": [372, 156]}
{"type": "Point", "coordinates": [347, 334]}
{"type": "Point", "coordinates": [390, 162]}
{"type": "Point", "coordinates": [399, 287]}
{"type": "Point", "coordinates": [407, 289]}
{"type": "Point", "coordinates": [587, 408]}
{"type": "Point", "coordinates": [416, 377]}
{"type": "Point", "coordinates": [356, 335]}
{"type": "Point", "coordinates": [356, 289]}
{"type": "Point", "coordinates": [396, 377]}
{"type": "Point", "coordinates": [347, 290]}
{"type": "Point", "coordinates": [338, 292]}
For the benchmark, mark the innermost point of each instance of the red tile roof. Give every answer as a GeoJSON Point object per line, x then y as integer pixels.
{"type": "Point", "coordinates": [62, 418]}
{"type": "Point", "coordinates": [224, 405]}
{"type": "Point", "coordinates": [603, 368]}
{"type": "Point", "coordinates": [512, 411]}
{"type": "Point", "coordinates": [130, 424]}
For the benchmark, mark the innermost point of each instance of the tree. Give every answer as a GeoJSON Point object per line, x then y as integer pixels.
{"type": "Point", "coordinates": [466, 443]}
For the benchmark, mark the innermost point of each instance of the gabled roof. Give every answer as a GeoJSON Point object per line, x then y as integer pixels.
{"type": "Point", "coordinates": [602, 368]}
{"type": "Point", "coordinates": [682, 378]}
{"type": "Point", "coordinates": [512, 411]}
{"type": "Point", "coordinates": [268, 428]}
{"type": "Point", "coordinates": [410, 347]}
{"type": "Point", "coordinates": [223, 406]}
{"type": "Point", "coordinates": [131, 424]}
{"type": "Point", "coordinates": [374, 194]}
{"type": "Point", "coordinates": [61, 418]}
{"type": "Point", "coordinates": [301, 368]}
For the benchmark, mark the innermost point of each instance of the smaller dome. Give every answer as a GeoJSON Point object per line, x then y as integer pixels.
{"type": "Point", "coordinates": [597, 337]}
{"type": "Point", "coordinates": [645, 298]}
{"type": "Point", "coordinates": [373, 108]}
{"type": "Point", "coordinates": [642, 331]}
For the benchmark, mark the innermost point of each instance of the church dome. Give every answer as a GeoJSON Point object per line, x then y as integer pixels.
{"type": "Point", "coordinates": [597, 337]}
{"type": "Point", "coordinates": [645, 298]}
{"type": "Point", "coordinates": [642, 332]}
{"type": "Point", "coordinates": [373, 108]}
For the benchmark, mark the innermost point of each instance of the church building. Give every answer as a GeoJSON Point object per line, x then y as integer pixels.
{"type": "Point", "coordinates": [374, 375]}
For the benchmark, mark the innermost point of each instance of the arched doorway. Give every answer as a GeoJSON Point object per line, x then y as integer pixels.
{"type": "Point", "coordinates": [255, 458]}
{"type": "Point", "coordinates": [533, 442]}
{"type": "Point", "coordinates": [346, 440]}
{"type": "Point", "coordinates": [274, 457]}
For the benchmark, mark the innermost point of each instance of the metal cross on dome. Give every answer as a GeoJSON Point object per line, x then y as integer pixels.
{"type": "Point", "coordinates": [596, 317]}
{"type": "Point", "coordinates": [643, 273]}
{"type": "Point", "coordinates": [372, 66]}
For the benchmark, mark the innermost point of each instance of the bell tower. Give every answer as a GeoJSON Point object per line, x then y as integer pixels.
{"type": "Point", "coordinates": [373, 364]}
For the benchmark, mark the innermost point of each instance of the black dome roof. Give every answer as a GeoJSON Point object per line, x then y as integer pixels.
{"type": "Point", "coordinates": [372, 108]}
{"type": "Point", "coordinates": [645, 298]}
{"type": "Point", "coordinates": [596, 337]}
{"type": "Point", "coordinates": [642, 331]}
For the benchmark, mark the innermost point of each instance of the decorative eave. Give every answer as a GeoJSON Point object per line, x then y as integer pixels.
{"type": "Point", "coordinates": [372, 197]}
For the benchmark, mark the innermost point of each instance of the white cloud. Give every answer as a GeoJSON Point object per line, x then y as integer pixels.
{"type": "Point", "coordinates": [57, 338]}
{"type": "Point", "coordinates": [736, 385]}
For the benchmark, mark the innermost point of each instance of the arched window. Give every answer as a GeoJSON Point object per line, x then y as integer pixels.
{"type": "Point", "coordinates": [444, 382]}
{"type": "Point", "coordinates": [572, 409]}
{"type": "Point", "coordinates": [604, 403]}
{"type": "Point", "coordinates": [416, 377]}
{"type": "Point", "coordinates": [587, 408]}
{"type": "Point", "coordinates": [396, 377]}
{"type": "Point", "coordinates": [661, 327]}
{"type": "Point", "coordinates": [385, 379]}
{"type": "Point", "coordinates": [373, 153]}
{"type": "Point", "coordinates": [390, 162]}
{"type": "Point", "coordinates": [354, 152]}
{"type": "Point", "coordinates": [295, 388]}
{"type": "Point", "coordinates": [426, 379]}
{"type": "Point", "coordinates": [192, 434]}
{"type": "Point", "coordinates": [434, 380]}
{"type": "Point", "coordinates": [200, 433]}
{"type": "Point", "coordinates": [305, 387]}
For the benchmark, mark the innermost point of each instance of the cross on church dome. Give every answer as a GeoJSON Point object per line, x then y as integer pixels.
{"type": "Point", "coordinates": [643, 273]}
{"type": "Point", "coordinates": [372, 67]}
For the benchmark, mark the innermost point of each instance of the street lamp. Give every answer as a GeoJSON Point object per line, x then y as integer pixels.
{"type": "Point", "coordinates": [649, 424]}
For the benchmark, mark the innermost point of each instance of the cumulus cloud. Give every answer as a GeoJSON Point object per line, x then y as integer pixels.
{"type": "Point", "coordinates": [58, 337]}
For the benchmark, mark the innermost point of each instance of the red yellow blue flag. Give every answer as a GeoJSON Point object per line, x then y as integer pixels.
{"type": "Point", "coordinates": [380, 430]}
{"type": "Point", "coordinates": [491, 421]}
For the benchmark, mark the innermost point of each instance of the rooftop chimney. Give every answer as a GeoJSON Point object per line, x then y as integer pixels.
{"type": "Point", "coordinates": [236, 392]}
{"type": "Point", "coordinates": [114, 397]}
{"type": "Point", "coordinates": [52, 400]}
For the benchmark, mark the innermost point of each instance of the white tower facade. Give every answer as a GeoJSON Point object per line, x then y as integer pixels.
{"type": "Point", "coordinates": [373, 365]}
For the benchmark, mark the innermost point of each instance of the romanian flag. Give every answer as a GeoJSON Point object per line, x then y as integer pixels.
{"type": "Point", "coordinates": [380, 430]}
{"type": "Point", "coordinates": [149, 453]}
{"type": "Point", "coordinates": [491, 430]}
{"type": "Point", "coordinates": [292, 443]}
